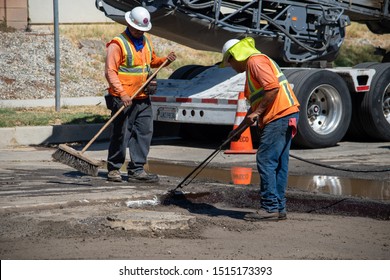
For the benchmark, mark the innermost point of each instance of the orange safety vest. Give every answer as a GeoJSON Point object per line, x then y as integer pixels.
{"type": "Point", "coordinates": [285, 102]}
{"type": "Point", "coordinates": [135, 66]}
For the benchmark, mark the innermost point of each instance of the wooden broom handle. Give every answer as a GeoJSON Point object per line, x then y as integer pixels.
{"type": "Point", "coordinates": [123, 107]}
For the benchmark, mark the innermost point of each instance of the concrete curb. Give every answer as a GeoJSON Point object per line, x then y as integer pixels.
{"type": "Point", "coordinates": [43, 135]}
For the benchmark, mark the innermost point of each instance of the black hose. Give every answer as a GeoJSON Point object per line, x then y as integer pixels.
{"type": "Point", "coordinates": [338, 168]}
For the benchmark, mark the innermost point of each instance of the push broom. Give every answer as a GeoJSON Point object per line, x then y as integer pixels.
{"type": "Point", "coordinates": [77, 159]}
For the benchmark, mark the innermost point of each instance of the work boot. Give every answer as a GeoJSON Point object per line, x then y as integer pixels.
{"type": "Point", "coordinates": [142, 176]}
{"type": "Point", "coordinates": [114, 176]}
{"type": "Point", "coordinates": [262, 215]}
{"type": "Point", "coordinates": [282, 216]}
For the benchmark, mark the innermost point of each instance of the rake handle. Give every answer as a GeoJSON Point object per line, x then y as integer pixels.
{"type": "Point", "coordinates": [123, 107]}
{"type": "Point", "coordinates": [241, 130]}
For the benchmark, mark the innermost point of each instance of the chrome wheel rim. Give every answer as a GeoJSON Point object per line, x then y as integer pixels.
{"type": "Point", "coordinates": [324, 109]}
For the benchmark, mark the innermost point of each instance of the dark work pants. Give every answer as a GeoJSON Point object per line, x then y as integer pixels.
{"type": "Point", "coordinates": [132, 129]}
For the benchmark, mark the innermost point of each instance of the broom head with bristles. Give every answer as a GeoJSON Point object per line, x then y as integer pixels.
{"type": "Point", "coordinates": [77, 160]}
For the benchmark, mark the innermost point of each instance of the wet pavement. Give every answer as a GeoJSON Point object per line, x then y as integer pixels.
{"type": "Point", "coordinates": [50, 211]}
{"type": "Point", "coordinates": [30, 179]}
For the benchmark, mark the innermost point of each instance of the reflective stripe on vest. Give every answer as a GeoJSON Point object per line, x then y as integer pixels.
{"type": "Point", "coordinates": [128, 67]}
{"type": "Point", "coordinates": [256, 94]}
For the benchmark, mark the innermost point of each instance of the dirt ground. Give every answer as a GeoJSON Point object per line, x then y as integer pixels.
{"type": "Point", "coordinates": [51, 235]}
{"type": "Point", "coordinates": [209, 231]}
{"type": "Point", "coordinates": [50, 211]}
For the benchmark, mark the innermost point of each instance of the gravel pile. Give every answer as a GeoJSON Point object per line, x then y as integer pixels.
{"type": "Point", "coordinates": [27, 64]}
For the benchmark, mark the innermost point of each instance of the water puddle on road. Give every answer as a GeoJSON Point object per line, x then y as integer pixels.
{"type": "Point", "coordinates": [372, 189]}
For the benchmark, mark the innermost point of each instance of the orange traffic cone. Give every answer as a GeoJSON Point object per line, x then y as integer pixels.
{"type": "Point", "coordinates": [241, 175]}
{"type": "Point", "coordinates": [244, 144]}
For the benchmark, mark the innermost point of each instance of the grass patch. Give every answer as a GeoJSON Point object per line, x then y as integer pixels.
{"type": "Point", "coordinates": [42, 116]}
{"type": "Point", "coordinates": [103, 33]}
{"type": "Point", "coordinates": [350, 55]}
{"type": "Point", "coordinates": [359, 46]}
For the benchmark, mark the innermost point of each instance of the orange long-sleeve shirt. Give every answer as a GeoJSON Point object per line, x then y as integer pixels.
{"type": "Point", "coordinates": [114, 59]}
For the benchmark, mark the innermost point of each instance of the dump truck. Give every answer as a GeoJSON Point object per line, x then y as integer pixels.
{"type": "Point", "coordinates": [303, 37]}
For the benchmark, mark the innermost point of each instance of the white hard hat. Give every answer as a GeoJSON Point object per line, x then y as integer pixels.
{"type": "Point", "coordinates": [228, 45]}
{"type": "Point", "coordinates": [225, 54]}
{"type": "Point", "coordinates": [139, 18]}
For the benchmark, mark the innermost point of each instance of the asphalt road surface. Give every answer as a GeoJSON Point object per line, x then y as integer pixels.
{"type": "Point", "coordinates": [338, 203]}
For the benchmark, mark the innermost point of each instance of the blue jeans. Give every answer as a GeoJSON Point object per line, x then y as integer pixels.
{"type": "Point", "coordinates": [272, 163]}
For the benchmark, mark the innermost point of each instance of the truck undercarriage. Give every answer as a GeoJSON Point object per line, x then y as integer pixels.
{"type": "Point", "coordinates": [302, 36]}
{"type": "Point", "coordinates": [287, 31]}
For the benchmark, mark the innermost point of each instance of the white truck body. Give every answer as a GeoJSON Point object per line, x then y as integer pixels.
{"type": "Point", "coordinates": [211, 97]}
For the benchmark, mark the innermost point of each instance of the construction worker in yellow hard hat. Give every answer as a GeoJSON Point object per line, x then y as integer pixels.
{"type": "Point", "coordinates": [239, 49]}
{"type": "Point", "coordinates": [130, 57]}
{"type": "Point", "coordinates": [275, 108]}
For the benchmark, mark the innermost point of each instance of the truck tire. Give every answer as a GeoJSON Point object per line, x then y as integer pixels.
{"type": "Point", "coordinates": [325, 110]}
{"type": "Point", "coordinates": [375, 107]}
{"type": "Point", "coordinates": [291, 74]}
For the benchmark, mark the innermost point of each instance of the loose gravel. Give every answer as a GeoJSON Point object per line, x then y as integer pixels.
{"type": "Point", "coordinates": [27, 64]}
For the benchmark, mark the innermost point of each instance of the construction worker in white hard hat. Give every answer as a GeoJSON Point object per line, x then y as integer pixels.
{"type": "Point", "coordinates": [130, 57]}
{"type": "Point", "coordinates": [275, 108]}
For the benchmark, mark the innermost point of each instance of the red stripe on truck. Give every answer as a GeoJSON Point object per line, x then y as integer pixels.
{"type": "Point", "coordinates": [362, 88]}
{"type": "Point", "coordinates": [184, 100]}
{"type": "Point", "coordinates": [209, 100]}
{"type": "Point", "coordinates": [159, 99]}
{"type": "Point", "coordinates": [192, 100]}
